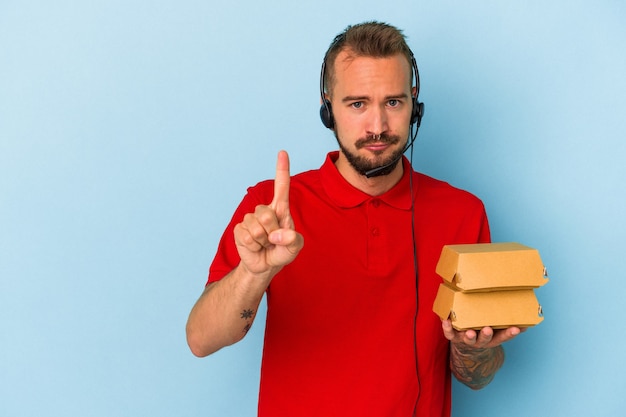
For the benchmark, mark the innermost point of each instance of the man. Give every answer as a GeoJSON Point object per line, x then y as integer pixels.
{"type": "Point", "coordinates": [347, 255]}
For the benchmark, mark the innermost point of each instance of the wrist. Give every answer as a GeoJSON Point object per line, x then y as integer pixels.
{"type": "Point", "coordinates": [256, 277]}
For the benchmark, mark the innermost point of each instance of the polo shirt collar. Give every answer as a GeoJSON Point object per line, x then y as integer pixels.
{"type": "Point", "coordinates": [347, 196]}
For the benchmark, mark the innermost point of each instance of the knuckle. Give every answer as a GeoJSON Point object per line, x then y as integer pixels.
{"type": "Point", "coordinates": [267, 218]}
{"type": "Point", "coordinates": [248, 240]}
{"type": "Point", "coordinates": [250, 233]}
{"type": "Point", "coordinates": [257, 233]}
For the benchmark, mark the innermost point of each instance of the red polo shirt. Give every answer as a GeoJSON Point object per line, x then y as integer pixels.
{"type": "Point", "coordinates": [339, 338]}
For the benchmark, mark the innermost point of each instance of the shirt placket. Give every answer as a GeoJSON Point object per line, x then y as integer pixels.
{"type": "Point", "coordinates": [376, 247]}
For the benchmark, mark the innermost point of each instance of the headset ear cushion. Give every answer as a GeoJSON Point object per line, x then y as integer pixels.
{"type": "Point", "coordinates": [326, 114]}
{"type": "Point", "coordinates": [417, 112]}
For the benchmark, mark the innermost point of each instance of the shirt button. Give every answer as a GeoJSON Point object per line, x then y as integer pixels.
{"type": "Point", "coordinates": [375, 231]}
{"type": "Point", "coordinates": [376, 203]}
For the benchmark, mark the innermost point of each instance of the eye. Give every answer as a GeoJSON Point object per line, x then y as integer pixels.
{"type": "Point", "coordinates": [394, 103]}
{"type": "Point", "coordinates": [357, 104]}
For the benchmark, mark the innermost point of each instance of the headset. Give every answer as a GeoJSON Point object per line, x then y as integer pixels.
{"type": "Point", "coordinates": [326, 112]}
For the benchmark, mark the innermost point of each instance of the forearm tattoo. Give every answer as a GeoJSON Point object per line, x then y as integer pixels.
{"type": "Point", "coordinates": [248, 316]}
{"type": "Point", "coordinates": [475, 367]}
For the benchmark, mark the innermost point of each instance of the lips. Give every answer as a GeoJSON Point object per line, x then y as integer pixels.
{"type": "Point", "coordinates": [377, 146]}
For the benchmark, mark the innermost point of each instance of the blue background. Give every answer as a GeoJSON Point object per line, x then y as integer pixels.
{"type": "Point", "coordinates": [129, 131]}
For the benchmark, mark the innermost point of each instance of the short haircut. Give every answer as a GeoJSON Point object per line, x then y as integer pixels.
{"type": "Point", "coordinates": [369, 39]}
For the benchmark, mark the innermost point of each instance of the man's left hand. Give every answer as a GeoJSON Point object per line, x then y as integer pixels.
{"type": "Point", "coordinates": [483, 339]}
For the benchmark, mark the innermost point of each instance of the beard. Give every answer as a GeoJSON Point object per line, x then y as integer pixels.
{"type": "Point", "coordinates": [362, 164]}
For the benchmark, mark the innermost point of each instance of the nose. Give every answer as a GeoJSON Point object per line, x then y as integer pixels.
{"type": "Point", "coordinates": [378, 122]}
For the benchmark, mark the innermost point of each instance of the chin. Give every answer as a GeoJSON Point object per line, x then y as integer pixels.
{"type": "Point", "coordinates": [364, 165]}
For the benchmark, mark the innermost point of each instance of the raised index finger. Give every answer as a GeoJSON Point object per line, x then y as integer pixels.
{"type": "Point", "coordinates": [281, 184]}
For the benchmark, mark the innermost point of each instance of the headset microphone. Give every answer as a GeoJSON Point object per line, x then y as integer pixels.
{"type": "Point", "coordinates": [375, 171]}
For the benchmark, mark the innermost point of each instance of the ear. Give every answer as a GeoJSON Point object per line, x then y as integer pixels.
{"type": "Point", "coordinates": [413, 91]}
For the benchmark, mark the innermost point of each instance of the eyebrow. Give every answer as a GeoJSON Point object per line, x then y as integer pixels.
{"type": "Point", "coordinates": [363, 98]}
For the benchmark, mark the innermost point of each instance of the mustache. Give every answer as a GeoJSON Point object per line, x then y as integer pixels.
{"type": "Point", "coordinates": [382, 138]}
